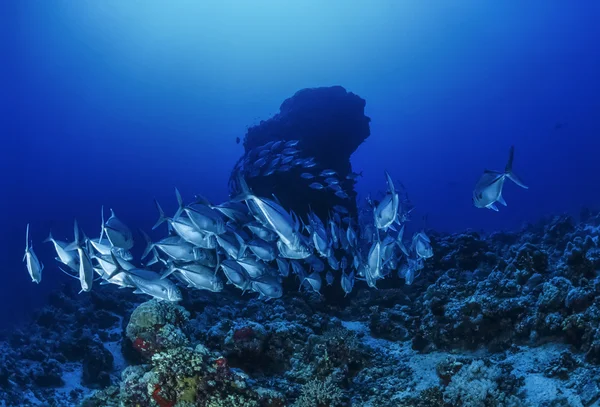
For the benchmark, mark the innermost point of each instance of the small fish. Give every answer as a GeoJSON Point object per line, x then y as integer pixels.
{"type": "Point", "coordinates": [261, 162]}
{"type": "Point", "coordinates": [342, 195]}
{"type": "Point", "coordinates": [354, 176]}
{"type": "Point", "coordinates": [287, 160]}
{"type": "Point", "coordinates": [34, 266]}
{"type": "Point", "coordinates": [340, 209]}
{"type": "Point", "coordinates": [307, 175]}
{"type": "Point", "coordinates": [290, 151]}
{"type": "Point", "coordinates": [333, 262]}
{"type": "Point", "coordinates": [283, 266]}
{"type": "Point", "coordinates": [334, 187]}
{"type": "Point", "coordinates": [276, 145]}
{"type": "Point", "coordinates": [422, 245]}
{"type": "Point", "coordinates": [329, 278]}
{"type": "Point", "coordinates": [292, 143]}
{"type": "Point", "coordinates": [309, 164]}
{"type": "Point", "coordinates": [328, 173]}
{"type": "Point", "coordinates": [332, 180]}
{"type": "Point", "coordinates": [316, 185]}
{"type": "Point", "coordinates": [314, 279]}
{"type": "Point", "coordinates": [488, 189]}
{"type": "Point", "coordinates": [347, 283]}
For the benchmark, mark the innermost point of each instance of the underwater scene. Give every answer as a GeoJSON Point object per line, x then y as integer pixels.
{"type": "Point", "coordinates": [300, 203]}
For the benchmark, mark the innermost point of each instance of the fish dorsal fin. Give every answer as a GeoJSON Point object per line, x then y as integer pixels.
{"type": "Point", "coordinates": [27, 239]}
{"type": "Point", "coordinates": [501, 200]}
{"type": "Point", "coordinates": [102, 226]}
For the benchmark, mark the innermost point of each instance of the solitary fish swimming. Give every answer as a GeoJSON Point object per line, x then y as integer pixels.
{"type": "Point", "coordinates": [34, 266]}
{"type": "Point", "coordinates": [488, 190]}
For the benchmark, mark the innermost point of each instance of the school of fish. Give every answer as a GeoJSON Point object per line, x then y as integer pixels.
{"type": "Point", "coordinates": [253, 243]}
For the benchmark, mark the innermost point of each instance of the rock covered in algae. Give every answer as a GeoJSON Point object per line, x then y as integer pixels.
{"type": "Point", "coordinates": [157, 325]}
{"type": "Point", "coordinates": [178, 374]}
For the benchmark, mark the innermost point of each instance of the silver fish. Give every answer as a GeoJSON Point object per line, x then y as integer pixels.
{"type": "Point", "coordinates": [254, 268]}
{"type": "Point", "coordinates": [235, 274]}
{"type": "Point", "coordinates": [347, 283]}
{"type": "Point", "coordinates": [272, 215]}
{"type": "Point", "coordinates": [174, 247]}
{"type": "Point", "coordinates": [422, 245]}
{"type": "Point", "coordinates": [307, 175]}
{"type": "Point", "coordinates": [328, 173]}
{"type": "Point", "coordinates": [262, 250]}
{"type": "Point", "coordinates": [86, 269]}
{"type": "Point", "coordinates": [201, 215]}
{"type": "Point", "coordinates": [186, 229]}
{"type": "Point", "coordinates": [296, 251]}
{"type": "Point", "coordinates": [261, 232]}
{"type": "Point", "coordinates": [198, 276]}
{"type": "Point", "coordinates": [117, 232]}
{"type": "Point", "coordinates": [488, 189]}
{"type": "Point", "coordinates": [315, 263]}
{"type": "Point", "coordinates": [329, 278]}
{"type": "Point", "coordinates": [284, 267]}
{"type": "Point", "coordinates": [34, 266]}
{"type": "Point", "coordinates": [314, 279]}
{"type": "Point", "coordinates": [67, 257]}
{"type": "Point", "coordinates": [268, 287]}
{"type": "Point", "coordinates": [386, 211]}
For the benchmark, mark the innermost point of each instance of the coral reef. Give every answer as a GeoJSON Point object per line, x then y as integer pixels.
{"type": "Point", "coordinates": [509, 319]}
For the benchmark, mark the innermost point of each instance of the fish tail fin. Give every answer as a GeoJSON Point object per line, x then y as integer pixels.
{"type": "Point", "coordinates": [149, 244]}
{"type": "Point", "coordinates": [170, 269]}
{"type": "Point", "coordinates": [509, 171]}
{"type": "Point", "coordinates": [49, 238]}
{"type": "Point", "coordinates": [242, 243]}
{"type": "Point", "coordinates": [76, 242]}
{"type": "Point", "coordinates": [202, 200]}
{"type": "Point", "coordinates": [118, 267]}
{"type": "Point", "coordinates": [245, 190]}
{"type": "Point", "coordinates": [161, 215]}
{"type": "Point", "coordinates": [180, 203]}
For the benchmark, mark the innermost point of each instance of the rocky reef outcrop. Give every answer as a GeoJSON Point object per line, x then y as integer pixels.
{"type": "Point", "coordinates": [329, 124]}
{"type": "Point", "coordinates": [507, 319]}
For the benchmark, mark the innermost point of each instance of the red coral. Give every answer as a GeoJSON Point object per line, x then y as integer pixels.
{"type": "Point", "coordinates": [243, 334]}
{"type": "Point", "coordinates": [143, 346]}
{"type": "Point", "coordinates": [221, 362]}
{"type": "Point", "coordinates": [160, 400]}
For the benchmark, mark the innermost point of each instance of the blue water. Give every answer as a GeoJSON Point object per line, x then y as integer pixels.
{"type": "Point", "coordinates": [113, 103]}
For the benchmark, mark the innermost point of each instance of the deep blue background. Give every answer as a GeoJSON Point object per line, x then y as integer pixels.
{"type": "Point", "coordinates": [115, 103]}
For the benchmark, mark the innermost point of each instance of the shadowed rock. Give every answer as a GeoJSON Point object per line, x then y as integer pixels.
{"type": "Point", "coordinates": [330, 125]}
